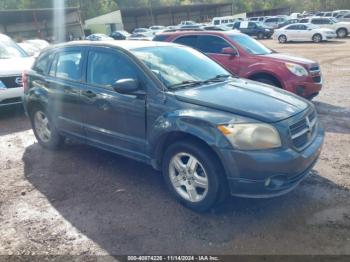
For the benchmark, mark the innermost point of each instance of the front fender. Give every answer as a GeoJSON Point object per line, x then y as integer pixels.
{"type": "Point", "coordinates": [199, 124]}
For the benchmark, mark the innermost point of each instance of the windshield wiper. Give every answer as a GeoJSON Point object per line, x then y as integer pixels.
{"type": "Point", "coordinates": [185, 84]}
{"type": "Point", "coordinates": [218, 78]}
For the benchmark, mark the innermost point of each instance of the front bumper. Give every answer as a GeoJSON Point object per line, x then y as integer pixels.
{"type": "Point", "coordinates": [11, 96]}
{"type": "Point", "coordinates": [306, 87]}
{"type": "Point", "coordinates": [263, 174]}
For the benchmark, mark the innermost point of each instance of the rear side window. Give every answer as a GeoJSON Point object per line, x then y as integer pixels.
{"type": "Point", "coordinates": [304, 21]}
{"type": "Point", "coordinates": [292, 27]}
{"type": "Point", "coordinates": [160, 38]}
{"type": "Point", "coordinates": [347, 16]}
{"type": "Point", "coordinates": [43, 62]}
{"type": "Point", "coordinates": [190, 40]}
{"type": "Point", "coordinates": [68, 66]}
{"type": "Point", "coordinates": [212, 44]}
{"type": "Point", "coordinates": [105, 68]}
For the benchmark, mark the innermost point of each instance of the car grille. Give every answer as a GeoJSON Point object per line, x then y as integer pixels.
{"type": "Point", "coordinates": [303, 131]}
{"type": "Point", "coordinates": [317, 79]}
{"type": "Point", "coordinates": [12, 81]}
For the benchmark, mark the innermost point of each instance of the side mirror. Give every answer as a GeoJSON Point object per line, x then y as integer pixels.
{"type": "Point", "coordinates": [126, 86]}
{"type": "Point", "coordinates": [229, 51]}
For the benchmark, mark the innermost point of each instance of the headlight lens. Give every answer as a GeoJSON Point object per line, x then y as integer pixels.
{"type": "Point", "coordinates": [251, 136]}
{"type": "Point", "coordinates": [297, 69]}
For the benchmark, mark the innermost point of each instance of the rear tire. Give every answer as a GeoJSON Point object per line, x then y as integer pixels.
{"type": "Point", "coordinates": [199, 186]}
{"type": "Point", "coordinates": [342, 32]}
{"type": "Point", "coordinates": [317, 38]}
{"type": "Point", "coordinates": [282, 39]}
{"type": "Point", "coordinates": [44, 129]}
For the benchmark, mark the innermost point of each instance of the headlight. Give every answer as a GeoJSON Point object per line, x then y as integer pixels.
{"type": "Point", "coordinates": [251, 136]}
{"type": "Point", "coordinates": [297, 69]}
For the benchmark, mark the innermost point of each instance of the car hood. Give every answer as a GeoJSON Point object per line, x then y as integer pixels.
{"type": "Point", "coordinates": [246, 98]}
{"type": "Point", "coordinates": [15, 66]}
{"type": "Point", "coordinates": [289, 58]}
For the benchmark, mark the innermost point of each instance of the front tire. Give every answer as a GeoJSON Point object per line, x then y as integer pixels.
{"type": "Point", "coordinates": [44, 130]}
{"type": "Point", "coordinates": [282, 39]}
{"type": "Point", "coordinates": [193, 176]}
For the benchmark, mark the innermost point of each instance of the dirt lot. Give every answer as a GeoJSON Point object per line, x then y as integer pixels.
{"type": "Point", "coordinates": [81, 200]}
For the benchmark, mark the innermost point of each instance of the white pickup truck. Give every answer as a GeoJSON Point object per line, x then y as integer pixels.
{"type": "Point", "coordinates": [13, 61]}
{"type": "Point", "coordinates": [341, 28]}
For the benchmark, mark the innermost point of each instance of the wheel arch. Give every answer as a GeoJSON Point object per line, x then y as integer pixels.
{"type": "Point", "coordinates": [172, 137]}
{"type": "Point", "coordinates": [263, 74]}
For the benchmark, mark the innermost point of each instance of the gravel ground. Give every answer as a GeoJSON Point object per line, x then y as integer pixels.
{"type": "Point", "coordinates": [84, 201]}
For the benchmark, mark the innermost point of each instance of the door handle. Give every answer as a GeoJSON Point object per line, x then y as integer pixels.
{"type": "Point", "coordinates": [89, 94]}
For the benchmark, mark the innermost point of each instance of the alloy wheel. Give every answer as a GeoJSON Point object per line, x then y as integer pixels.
{"type": "Point", "coordinates": [188, 177]}
{"type": "Point", "coordinates": [42, 126]}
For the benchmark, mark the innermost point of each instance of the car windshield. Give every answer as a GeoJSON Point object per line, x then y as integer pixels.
{"type": "Point", "coordinates": [174, 65]}
{"type": "Point", "coordinates": [250, 45]}
{"type": "Point", "coordinates": [9, 49]}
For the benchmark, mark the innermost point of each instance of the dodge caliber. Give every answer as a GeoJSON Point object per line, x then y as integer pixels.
{"type": "Point", "coordinates": [172, 107]}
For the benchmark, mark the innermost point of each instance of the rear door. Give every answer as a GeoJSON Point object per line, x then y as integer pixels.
{"type": "Point", "coordinates": [64, 87]}
{"type": "Point", "coordinates": [113, 120]}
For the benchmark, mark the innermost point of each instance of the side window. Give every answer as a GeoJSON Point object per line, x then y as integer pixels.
{"type": "Point", "coordinates": [347, 16]}
{"type": "Point", "coordinates": [69, 65]}
{"type": "Point", "coordinates": [190, 40]}
{"type": "Point", "coordinates": [304, 21]}
{"type": "Point", "coordinates": [216, 22]}
{"type": "Point", "coordinates": [302, 27]}
{"type": "Point", "coordinates": [212, 44]}
{"type": "Point", "coordinates": [43, 62]}
{"type": "Point", "coordinates": [251, 25]}
{"type": "Point", "coordinates": [292, 27]}
{"type": "Point", "coordinates": [105, 68]}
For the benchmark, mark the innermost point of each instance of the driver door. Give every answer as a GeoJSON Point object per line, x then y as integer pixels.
{"type": "Point", "coordinates": [113, 120]}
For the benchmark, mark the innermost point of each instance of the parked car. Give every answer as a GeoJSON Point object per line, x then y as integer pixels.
{"type": "Point", "coordinates": [344, 17]}
{"type": "Point", "coordinates": [98, 37]}
{"type": "Point", "coordinates": [217, 28]}
{"type": "Point", "coordinates": [120, 35]}
{"type": "Point", "coordinates": [274, 22]}
{"type": "Point", "coordinates": [288, 22]}
{"type": "Point", "coordinates": [304, 32]}
{"type": "Point", "coordinates": [254, 29]}
{"type": "Point", "coordinates": [341, 28]}
{"type": "Point", "coordinates": [13, 61]}
{"type": "Point", "coordinates": [256, 19]}
{"type": "Point", "coordinates": [157, 29]}
{"type": "Point", "coordinates": [37, 43]}
{"type": "Point", "coordinates": [246, 57]}
{"type": "Point", "coordinates": [222, 20]}
{"type": "Point", "coordinates": [144, 31]}
{"type": "Point", "coordinates": [172, 107]}
{"type": "Point", "coordinates": [187, 23]}
{"type": "Point", "coordinates": [141, 36]}
{"type": "Point", "coordinates": [30, 49]}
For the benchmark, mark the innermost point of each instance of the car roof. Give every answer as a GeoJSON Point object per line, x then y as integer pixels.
{"type": "Point", "coordinates": [208, 32]}
{"type": "Point", "coordinates": [124, 44]}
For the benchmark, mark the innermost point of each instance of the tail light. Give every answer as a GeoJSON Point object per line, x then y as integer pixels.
{"type": "Point", "coordinates": [25, 81]}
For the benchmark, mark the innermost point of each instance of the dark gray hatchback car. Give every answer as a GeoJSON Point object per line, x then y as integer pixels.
{"type": "Point", "coordinates": [172, 107]}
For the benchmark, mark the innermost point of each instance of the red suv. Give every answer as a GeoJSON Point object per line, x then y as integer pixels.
{"type": "Point", "coordinates": [248, 58]}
